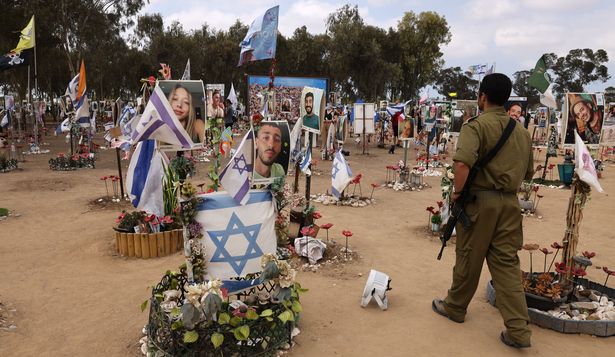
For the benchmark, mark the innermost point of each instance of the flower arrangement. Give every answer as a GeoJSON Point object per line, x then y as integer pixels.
{"type": "Point", "coordinates": [7, 165]}
{"type": "Point", "coordinates": [435, 215]}
{"type": "Point", "coordinates": [141, 222]}
{"type": "Point", "coordinates": [182, 166]}
{"type": "Point", "coordinates": [193, 248]}
{"type": "Point", "coordinates": [70, 163]}
{"type": "Point", "coordinates": [199, 318]}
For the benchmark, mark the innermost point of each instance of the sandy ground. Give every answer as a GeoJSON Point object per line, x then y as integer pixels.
{"type": "Point", "coordinates": [75, 297]}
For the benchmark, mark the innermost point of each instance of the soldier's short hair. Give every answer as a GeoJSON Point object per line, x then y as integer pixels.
{"type": "Point", "coordinates": [496, 87]}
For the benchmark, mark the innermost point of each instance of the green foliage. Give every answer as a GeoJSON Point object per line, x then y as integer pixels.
{"type": "Point", "coordinates": [241, 333]}
{"type": "Point", "coordinates": [224, 318]}
{"type": "Point", "coordinates": [286, 315]}
{"type": "Point", "coordinates": [217, 339]}
{"type": "Point", "coordinates": [191, 336]}
{"type": "Point", "coordinates": [523, 89]}
{"type": "Point", "coordinates": [182, 167]}
{"type": "Point", "coordinates": [144, 305]}
{"type": "Point", "coordinates": [453, 79]}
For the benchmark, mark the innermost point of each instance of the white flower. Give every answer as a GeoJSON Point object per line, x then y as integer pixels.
{"type": "Point", "coordinates": [194, 293]}
{"type": "Point", "coordinates": [288, 279]}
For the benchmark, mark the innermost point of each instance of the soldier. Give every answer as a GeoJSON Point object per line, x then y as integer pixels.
{"type": "Point", "coordinates": [496, 233]}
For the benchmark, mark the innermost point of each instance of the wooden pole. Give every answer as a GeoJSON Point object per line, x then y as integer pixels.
{"type": "Point", "coordinates": [578, 198]}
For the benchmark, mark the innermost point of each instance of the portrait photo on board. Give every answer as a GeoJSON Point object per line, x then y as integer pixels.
{"type": "Point", "coordinates": [584, 113]}
{"type": "Point", "coordinates": [608, 127]}
{"type": "Point", "coordinates": [271, 151]}
{"type": "Point", "coordinates": [516, 107]}
{"type": "Point", "coordinates": [186, 101]}
{"type": "Point", "coordinates": [310, 111]}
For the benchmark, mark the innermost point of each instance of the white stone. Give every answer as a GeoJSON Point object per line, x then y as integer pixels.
{"type": "Point", "coordinates": [609, 315]}
{"type": "Point", "coordinates": [585, 305]}
{"type": "Point", "coordinates": [604, 301]}
{"type": "Point", "coordinates": [565, 317]}
{"type": "Point", "coordinates": [593, 297]}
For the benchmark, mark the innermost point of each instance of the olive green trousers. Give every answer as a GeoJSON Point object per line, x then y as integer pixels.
{"type": "Point", "coordinates": [496, 235]}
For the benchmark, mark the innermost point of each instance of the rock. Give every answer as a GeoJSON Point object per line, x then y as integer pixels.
{"type": "Point", "coordinates": [575, 313]}
{"type": "Point", "coordinates": [360, 274]}
{"type": "Point", "coordinates": [565, 317]}
{"type": "Point", "coordinates": [594, 297]}
{"type": "Point", "coordinates": [295, 332]}
{"type": "Point", "coordinates": [539, 217]}
{"type": "Point", "coordinates": [12, 327]}
{"type": "Point", "coordinates": [609, 315]}
{"type": "Point", "coordinates": [354, 204]}
{"type": "Point", "coordinates": [585, 305]}
{"type": "Point", "coordinates": [593, 317]}
{"type": "Point", "coordinates": [604, 301]}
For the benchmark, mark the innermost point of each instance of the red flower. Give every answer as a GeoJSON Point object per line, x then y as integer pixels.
{"type": "Point", "coordinates": [316, 215]}
{"type": "Point", "coordinates": [374, 185]}
{"type": "Point", "coordinates": [545, 251]}
{"type": "Point", "coordinates": [224, 292]}
{"type": "Point", "coordinates": [390, 167]}
{"type": "Point", "coordinates": [609, 272]}
{"type": "Point", "coordinates": [166, 220]}
{"type": "Point", "coordinates": [210, 190]}
{"type": "Point", "coordinates": [556, 245]}
{"type": "Point", "coordinates": [357, 179]}
{"type": "Point", "coordinates": [85, 156]}
{"type": "Point", "coordinates": [578, 272]}
{"type": "Point", "coordinates": [440, 204]}
{"type": "Point", "coordinates": [347, 234]}
{"type": "Point", "coordinates": [535, 188]}
{"type": "Point", "coordinates": [551, 166]}
{"type": "Point", "coordinates": [104, 178]}
{"type": "Point", "coordinates": [61, 154]}
{"type": "Point", "coordinates": [589, 255]}
{"type": "Point", "coordinates": [307, 231]}
{"type": "Point", "coordinates": [326, 225]}
{"type": "Point", "coordinates": [237, 312]}
{"type": "Point", "coordinates": [151, 80]}
{"type": "Point", "coordinates": [560, 268]}
{"type": "Point", "coordinates": [148, 218]}
{"type": "Point", "coordinates": [430, 209]}
{"type": "Point", "coordinates": [538, 168]}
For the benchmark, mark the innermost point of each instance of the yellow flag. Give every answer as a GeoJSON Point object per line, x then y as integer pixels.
{"type": "Point", "coordinates": [452, 94]}
{"type": "Point", "coordinates": [26, 38]}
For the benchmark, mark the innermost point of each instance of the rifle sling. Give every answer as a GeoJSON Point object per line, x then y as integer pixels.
{"type": "Point", "coordinates": [494, 151]}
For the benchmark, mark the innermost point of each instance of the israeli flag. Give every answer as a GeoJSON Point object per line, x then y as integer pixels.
{"type": "Point", "coordinates": [236, 176]}
{"type": "Point", "coordinates": [340, 174]}
{"type": "Point", "coordinates": [394, 109]}
{"type": "Point", "coordinates": [305, 164]}
{"type": "Point", "coordinates": [63, 127]}
{"type": "Point", "coordinates": [261, 39]}
{"type": "Point", "coordinates": [159, 122]}
{"type": "Point", "coordinates": [144, 177]}
{"type": "Point", "coordinates": [235, 237]}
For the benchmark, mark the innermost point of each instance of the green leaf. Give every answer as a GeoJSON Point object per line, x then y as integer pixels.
{"type": "Point", "coordinates": [176, 325]}
{"type": "Point", "coordinates": [286, 316]}
{"type": "Point", "coordinates": [217, 339]}
{"type": "Point", "coordinates": [241, 333]}
{"type": "Point", "coordinates": [297, 306]}
{"type": "Point", "coordinates": [235, 321]}
{"type": "Point", "coordinates": [251, 315]}
{"type": "Point", "coordinates": [176, 311]}
{"type": "Point", "coordinates": [267, 312]}
{"type": "Point", "coordinates": [269, 318]}
{"type": "Point", "coordinates": [191, 336]}
{"type": "Point", "coordinates": [223, 318]}
{"type": "Point", "coordinates": [144, 305]}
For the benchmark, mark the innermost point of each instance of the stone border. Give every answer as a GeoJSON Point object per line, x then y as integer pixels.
{"type": "Point", "coordinates": [540, 318]}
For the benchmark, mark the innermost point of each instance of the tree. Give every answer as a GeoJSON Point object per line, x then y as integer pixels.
{"type": "Point", "coordinates": [453, 79]}
{"type": "Point", "coordinates": [577, 69]}
{"type": "Point", "coordinates": [420, 38]}
{"type": "Point", "coordinates": [522, 89]}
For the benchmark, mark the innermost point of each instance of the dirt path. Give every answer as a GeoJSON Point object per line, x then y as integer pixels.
{"type": "Point", "coordinates": [73, 296]}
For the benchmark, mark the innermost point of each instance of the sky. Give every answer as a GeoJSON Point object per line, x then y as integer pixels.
{"type": "Point", "coordinates": [512, 34]}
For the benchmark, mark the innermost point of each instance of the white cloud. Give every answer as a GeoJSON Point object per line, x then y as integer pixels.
{"type": "Point", "coordinates": [311, 13]}
{"type": "Point", "coordinates": [485, 10]}
{"type": "Point", "coordinates": [539, 35]}
{"type": "Point", "coordinates": [558, 5]}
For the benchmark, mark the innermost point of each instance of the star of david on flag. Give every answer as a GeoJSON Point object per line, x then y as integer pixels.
{"type": "Point", "coordinates": [236, 176]}
{"type": "Point", "coordinates": [235, 236]}
{"type": "Point", "coordinates": [340, 174]}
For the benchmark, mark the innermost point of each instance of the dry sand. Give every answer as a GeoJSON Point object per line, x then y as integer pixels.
{"type": "Point", "coordinates": [75, 297]}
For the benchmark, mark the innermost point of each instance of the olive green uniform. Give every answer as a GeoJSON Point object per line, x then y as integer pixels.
{"type": "Point", "coordinates": [496, 233]}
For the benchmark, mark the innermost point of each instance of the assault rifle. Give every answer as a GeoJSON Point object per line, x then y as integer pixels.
{"type": "Point", "coordinates": [458, 213]}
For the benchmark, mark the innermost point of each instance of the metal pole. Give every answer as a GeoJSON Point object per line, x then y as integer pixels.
{"type": "Point", "coordinates": [119, 170]}
{"type": "Point", "coordinates": [308, 178]}
{"type": "Point", "coordinates": [364, 136]}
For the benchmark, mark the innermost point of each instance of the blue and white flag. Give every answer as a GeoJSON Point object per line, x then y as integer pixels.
{"type": "Point", "coordinates": [340, 174]}
{"type": "Point", "coordinates": [159, 122]}
{"type": "Point", "coordinates": [144, 177]}
{"type": "Point", "coordinates": [77, 91]}
{"type": "Point", "coordinates": [394, 109]}
{"type": "Point", "coordinates": [261, 39]}
{"type": "Point", "coordinates": [63, 127]}
{"type": "Point", "coordinates": [305, 164]}
{"type": "Point", "coordinates": [236, 176]}
{"type": "Point", "coordinates": [124, 122]}
{"type": "Point", "coordinates": [235, 237]}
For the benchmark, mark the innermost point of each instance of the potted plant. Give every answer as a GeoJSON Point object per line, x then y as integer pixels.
{"type": "Point", "coordinates": [182, 166]}
{"type": "Point", "coordinates": [435, 216]}
{"type": "Point", "coordinates": [143, 235]}
{"type": "Point", "coordinates": [526, 190]}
